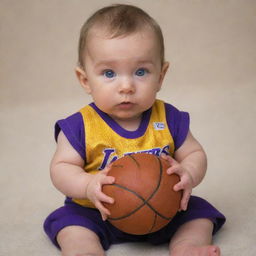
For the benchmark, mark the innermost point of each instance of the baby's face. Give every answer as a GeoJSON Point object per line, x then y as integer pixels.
{"type": "Point", "coordinates": [123, 74]}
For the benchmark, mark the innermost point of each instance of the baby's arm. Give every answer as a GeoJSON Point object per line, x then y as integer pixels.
{"type": "Point", "coordinates": [190, 164]}
{"type": "Point", "coordinates": [69, 177]}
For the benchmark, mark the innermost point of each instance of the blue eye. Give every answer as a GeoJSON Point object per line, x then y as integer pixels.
{"type": "Point", "coordinates": [141, 72]}
{"type": "Point", "coordinates": [109, 73]}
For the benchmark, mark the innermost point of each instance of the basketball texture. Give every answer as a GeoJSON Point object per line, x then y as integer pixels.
{"type": "Point", "coordinates": [143, 192]}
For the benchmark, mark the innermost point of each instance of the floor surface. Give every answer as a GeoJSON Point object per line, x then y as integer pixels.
{"type": "Point", "coordinates": [211, 46]}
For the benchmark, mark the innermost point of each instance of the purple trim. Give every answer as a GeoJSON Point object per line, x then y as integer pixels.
{"type": "Point", "coordinates": [178, 123]}
{"type": "Point", "coordinates": [120, 130]}
{"type": "Point", "coordinates": [73, 129]}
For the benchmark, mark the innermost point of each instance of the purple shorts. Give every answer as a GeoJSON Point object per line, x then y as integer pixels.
{"type": "Point", "coordinates": [73, 214]}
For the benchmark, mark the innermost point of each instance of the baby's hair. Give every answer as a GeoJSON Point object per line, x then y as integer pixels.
{"type": "Point", "coordinates": [119, 20]}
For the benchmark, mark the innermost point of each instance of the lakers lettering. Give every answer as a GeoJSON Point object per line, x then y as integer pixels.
{"type": "Point", "coordinates": [109, 154]}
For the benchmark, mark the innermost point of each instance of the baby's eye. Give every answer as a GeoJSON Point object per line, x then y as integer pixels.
{"type": "Point", "coordinates": [141, 72]}
{"type": "Point", "coordinates": [109, 73]}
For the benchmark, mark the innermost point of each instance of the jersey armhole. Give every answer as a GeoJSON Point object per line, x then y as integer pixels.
{"type": "Point", "coordinates": [73, 129]}
{"type": "Point", "coordinates": [178, 124]}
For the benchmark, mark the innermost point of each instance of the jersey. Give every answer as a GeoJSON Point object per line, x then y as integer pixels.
{"type": "Point", "coordinates": [105, 141]}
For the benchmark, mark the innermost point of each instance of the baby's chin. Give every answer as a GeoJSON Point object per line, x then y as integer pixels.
{"type": "Point", "coordinates": [128, 121]}
{"type": "Point", "coordinates": [125, 112]}
{"type": "Point", "coordinates": [126, 117]}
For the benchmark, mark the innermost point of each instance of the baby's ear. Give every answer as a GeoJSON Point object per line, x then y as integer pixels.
{"type": "Point", "coordinates": [162, 75]}
{"type": "Point", "coordinates": [163, 71]}
{"type": "Point", "coordinates": [82, 77]}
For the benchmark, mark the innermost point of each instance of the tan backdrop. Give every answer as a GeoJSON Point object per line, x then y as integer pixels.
{"type": "Point", "coordinates": [211, 47]}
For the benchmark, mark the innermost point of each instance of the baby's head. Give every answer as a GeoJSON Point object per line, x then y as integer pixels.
{"type": "Point", "coordinates": [121, 61]}
{"type": "Point", "coordinates": [118, 21]}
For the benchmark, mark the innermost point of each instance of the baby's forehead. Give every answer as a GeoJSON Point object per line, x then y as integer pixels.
{"type": "Point", "coordinates": [134, 48]}
{"type": "Point", "coordinates": [99, 35]}
{"type": "Point", "coordinates": [99, 31]}
{"type": "Point", "coordinates": [105, 32]}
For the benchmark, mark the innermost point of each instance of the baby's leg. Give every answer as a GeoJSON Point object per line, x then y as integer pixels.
{"type": "Point", "coordinates": [79, 241]}
{"type": "Point", "coordinates": [194, 239]}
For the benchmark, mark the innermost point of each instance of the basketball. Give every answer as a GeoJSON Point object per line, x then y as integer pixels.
{"type": "Point", "coordinates": [143, 192]}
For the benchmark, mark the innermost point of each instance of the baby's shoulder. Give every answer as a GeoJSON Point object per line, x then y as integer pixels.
{"type": "Point", "coordinates": [73, 129]}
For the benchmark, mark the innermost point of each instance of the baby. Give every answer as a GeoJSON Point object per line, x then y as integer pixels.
{"type": "Point", "coordinates": [122, 66]}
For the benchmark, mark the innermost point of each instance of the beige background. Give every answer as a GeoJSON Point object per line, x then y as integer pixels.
{"type": "Point", "coordinates": [211, 45]}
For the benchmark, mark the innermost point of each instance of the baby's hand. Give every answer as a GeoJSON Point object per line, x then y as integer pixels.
{"type": "Point", "coordinates": [185, 183]}
{"type": "Point", "coordinates": [95, 194]}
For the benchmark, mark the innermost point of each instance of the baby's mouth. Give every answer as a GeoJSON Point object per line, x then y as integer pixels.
{"type": "Point", "coordinates": [126, 105]}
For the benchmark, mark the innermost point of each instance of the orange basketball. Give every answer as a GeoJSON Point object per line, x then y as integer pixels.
{"type": "Point", "coordinates": [143, 192]}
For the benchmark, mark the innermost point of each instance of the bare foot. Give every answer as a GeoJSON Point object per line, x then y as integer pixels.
{"type": "Point", "coordinates": [190, 250]}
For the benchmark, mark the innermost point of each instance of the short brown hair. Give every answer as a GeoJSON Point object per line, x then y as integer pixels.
{"type": "Point", "coordinates": [120, 19]}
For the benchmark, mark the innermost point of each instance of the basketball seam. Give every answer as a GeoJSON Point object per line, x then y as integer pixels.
{"type": "Point", "coordinates": [145, 201]}
{"type": "Point", "coordinates": [134, 159]}
{"type": "Point", "coordinates": [153, 225]}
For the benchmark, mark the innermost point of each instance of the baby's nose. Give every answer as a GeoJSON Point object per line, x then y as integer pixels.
{"type": "Point", "coordinates": [127, 86]}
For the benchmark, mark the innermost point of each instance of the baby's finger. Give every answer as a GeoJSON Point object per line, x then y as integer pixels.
{"type": "Point", "coordinates": [104, 198]}
{"type": "Point", "coordinates": [185, 199]}
{"type": "Point", "coordinates": [106, 170]}
{"type": "Point", "coordinates": [108, 180]}
{"type": "Point", "coordinates": [103, 210]}
{"type": "Point", "coordinates": [179, 186]}
{"type": "Point", "coordinates": [103, 216]}
{"type": "Point", "coordinates": [168, 158]}
{"type": "Point", "coordinates": [174, 169]}
{"type": "Point", "coordinates": [164, 156]}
